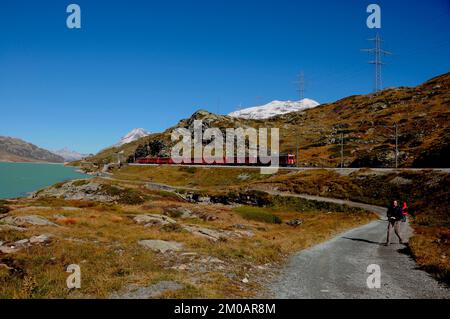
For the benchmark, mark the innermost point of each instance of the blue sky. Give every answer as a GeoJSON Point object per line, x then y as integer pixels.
{"type": "Point", "coordinates": [150, 63]}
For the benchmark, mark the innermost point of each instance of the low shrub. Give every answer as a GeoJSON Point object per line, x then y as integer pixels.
{"type": "Point", "coordinates": [80, 182]}
{"type": "Point", "coordinates": [188, 169]}
{"type": "Point", "coordinates": [127, 196]}
{"type": "Point", "coordinates": [257, 214]}
{"type": "Point", "coordinates": [4, 209]}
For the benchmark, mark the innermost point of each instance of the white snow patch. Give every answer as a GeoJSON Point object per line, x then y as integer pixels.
{"type": "Point", "coordinates": [274, 108]}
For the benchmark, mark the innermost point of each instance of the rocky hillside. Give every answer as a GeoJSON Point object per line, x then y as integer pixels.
{"type": "Point", "coordinates": [366, 122]}
{"type": "Point", "coordinates": [16, 150]}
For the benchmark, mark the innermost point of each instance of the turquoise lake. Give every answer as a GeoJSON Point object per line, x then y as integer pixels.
{"type": "Point", "coordinates": [19, 179]}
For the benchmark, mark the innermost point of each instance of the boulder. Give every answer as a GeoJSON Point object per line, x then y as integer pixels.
{"type": "Point", "coordinates": [398, 180]}
{"type": "Point", "coordinates": [9, 249]}
{"type": "Point", "coordinates": [22, 242]}
{"type": "Point", "coordinates": [153, 220]}
{"type": "Point", "coordinates": [161, 245]}
{"type": "Point", "coordinates": [42, 239]}
{"type": "Point", "coordinates": [211, 260]}
{"type": "Point", "coordinates": [244, 233]}
{"type": "Point", "coordinates": [24, 220]}
{"type": "Point", "coordinates": [10, 227]}
{"type": "Point", "coordinates": [211, 234]}
{"type": "Point", "coordinates": [180, 212]}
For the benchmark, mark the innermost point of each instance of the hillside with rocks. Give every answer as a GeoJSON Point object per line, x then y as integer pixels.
{"type": "Point", "coordinates": [16, 150]}
{"type": "Point", "coordinates": [366, 123]}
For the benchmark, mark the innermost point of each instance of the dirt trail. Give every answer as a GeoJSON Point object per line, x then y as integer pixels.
{"type": "Point", "coordinates": [338, 267]}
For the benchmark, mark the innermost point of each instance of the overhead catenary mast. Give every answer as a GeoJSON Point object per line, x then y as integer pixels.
{"type": "Point", "coordinates": [378, 52]}
{"type": "Point", "coordinates": [301, 86]}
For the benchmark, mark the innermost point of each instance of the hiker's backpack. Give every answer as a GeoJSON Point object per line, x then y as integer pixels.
{"type": "Point", "coordinates": [404, 211]}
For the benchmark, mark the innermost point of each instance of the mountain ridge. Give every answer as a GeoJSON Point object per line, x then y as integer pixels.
{"type": "Point", "coordinates": [366, 122]}
{"type": "Point", "coordinates": [17, 150]}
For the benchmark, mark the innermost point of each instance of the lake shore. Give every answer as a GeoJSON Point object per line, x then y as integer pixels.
{"type": "Point", "coordinates": [18, 180]}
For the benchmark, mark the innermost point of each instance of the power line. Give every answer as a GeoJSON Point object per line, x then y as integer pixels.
{"type": "Point", "coordinates": [378, 52]}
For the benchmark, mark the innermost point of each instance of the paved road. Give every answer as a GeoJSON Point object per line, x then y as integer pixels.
{"type": "Point", "coordinates": [338, 268]}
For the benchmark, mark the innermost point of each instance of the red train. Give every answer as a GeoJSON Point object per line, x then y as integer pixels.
{"type": "Point", "coordinates": [284, 161]}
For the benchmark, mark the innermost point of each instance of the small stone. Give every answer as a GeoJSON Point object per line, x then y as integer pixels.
{"type": "Point", "coordinates": [153, 219]}
{"type": "Point", "coordinates": [295, 222]}
{"type": "Point", "coordinates": [245, 280]}
{"type": "Point", "coordinates": [180, 212]}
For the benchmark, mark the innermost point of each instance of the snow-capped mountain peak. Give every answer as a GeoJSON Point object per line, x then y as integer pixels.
{"type": "Point", "coordinates": [274, 108]}
{"type": "Point", "coordinates": [69, 155]}
{"type": "Point", "coordinates": [132, 136]}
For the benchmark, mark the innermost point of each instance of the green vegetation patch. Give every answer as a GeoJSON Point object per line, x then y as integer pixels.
{"type": "Point", "coordinates": [80, 182]}
{"type": "Point", "coordinates": [127, 196]}
{"type": "Point", "coordinates": [257, 214]}
{"type": "Point", "coordinates": [305, 205]}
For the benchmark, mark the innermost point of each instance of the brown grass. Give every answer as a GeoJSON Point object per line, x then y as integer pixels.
{"type": "Point", "coordinates": [104, 244]}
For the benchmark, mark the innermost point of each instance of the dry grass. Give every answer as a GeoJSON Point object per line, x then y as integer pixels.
{"type": "Point", "coordinates": [190, 176]}
{"type": "Point", "coordinates": [102, 239]}
{"type": "Point", "coordinates": [424, 191]}
{"type": "Point", "coordinates": [431, 249]}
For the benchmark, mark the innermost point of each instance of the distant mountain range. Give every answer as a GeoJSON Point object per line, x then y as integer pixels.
{"type": "Point", "coordinates": [16, 150]}
{"type": "Point", "coordinates": [70, 155]}
{"type": "Point", "coordinates": [274, 108]}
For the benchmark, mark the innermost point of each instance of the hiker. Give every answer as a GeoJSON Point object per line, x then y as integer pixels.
{"type": "Point", "coordinates": [395, 216]}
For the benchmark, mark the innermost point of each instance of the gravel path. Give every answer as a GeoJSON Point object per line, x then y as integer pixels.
{"type": "Point", "coordinates": [338, 268]}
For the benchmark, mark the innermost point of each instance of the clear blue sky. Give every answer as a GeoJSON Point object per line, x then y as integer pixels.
{"type": "Point", "coordinates": [150, 63]}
